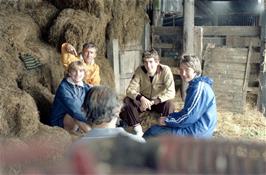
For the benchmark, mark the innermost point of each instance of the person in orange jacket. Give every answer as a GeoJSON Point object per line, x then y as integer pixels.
{"type": "Point", "coordinates": [88, 54]}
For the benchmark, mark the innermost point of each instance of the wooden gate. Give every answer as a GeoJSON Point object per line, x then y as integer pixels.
{"type": "Point", "coordinates": [228, 68]}
{"type": "Point", "coordinates": [124, 61]}
{"type": "Point", "coordinates": [233, 60]}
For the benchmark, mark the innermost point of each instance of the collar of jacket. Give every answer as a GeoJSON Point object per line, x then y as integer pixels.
{"type": "Point", "coordinates": [159, 69]}
{"type": "Point", "coordinates": [73, 83]}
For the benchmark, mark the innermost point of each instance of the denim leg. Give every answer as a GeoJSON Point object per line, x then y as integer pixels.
{"type": "Point", "coordinates": [157, 130]}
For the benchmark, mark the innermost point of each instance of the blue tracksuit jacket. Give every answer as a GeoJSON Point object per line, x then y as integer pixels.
{"type": "Point", "coordinates": [198, 118]}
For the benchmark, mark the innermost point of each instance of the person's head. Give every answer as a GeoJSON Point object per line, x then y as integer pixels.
{"type": "Point", "coordinates": [102, 107]}
{"type": "Point", "coordinates": [189, 66]}
{"type": "Point", "coordinates": [89, 52]}
{"type": "Point", "coordinates": [151, 61]}
{"type": "Point", "coordinates": [76, 71]}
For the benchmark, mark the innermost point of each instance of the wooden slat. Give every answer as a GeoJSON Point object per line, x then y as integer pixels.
{"type": "Point", "coordinates": [212, 30]}
{"type": "Point", "coordinates": [163, 45]}
{"type": "Point", "coordinates": [229, 82]}
{"type": "Point", "coordinates": [167, 30]}
{"type": "Point", "coordinates": [218, 41]}
{"type": "Point", "coordinates": [238, 41]}
{"type": "Point", "coordinates": [220, 76]}
{"type": "Point", "coordinates": [231, 31]}
{"type": "Point", "coordinates": [225, 67]}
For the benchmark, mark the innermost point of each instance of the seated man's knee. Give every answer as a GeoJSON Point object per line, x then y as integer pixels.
{"type": "Point", "coordinates": [170, 105]}
{"type": "Point", "coordinates": [128, 101]}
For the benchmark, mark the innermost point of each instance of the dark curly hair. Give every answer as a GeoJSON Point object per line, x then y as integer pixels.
{"type": "Point", "coordinates": [101, 105]}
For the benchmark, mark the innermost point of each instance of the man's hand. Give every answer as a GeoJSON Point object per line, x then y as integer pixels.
{"type": "Point", "coordinates": [71, 49]}
{"type": "Point", "coordinates": [157, 101]}
{"type": "Point", "coordinates": [145, 104]}
{"type": "Point", "coordinates": [161, 121]}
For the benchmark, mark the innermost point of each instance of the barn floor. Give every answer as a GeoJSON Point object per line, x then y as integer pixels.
{"type": "Point", "coordinates": [251, 125]}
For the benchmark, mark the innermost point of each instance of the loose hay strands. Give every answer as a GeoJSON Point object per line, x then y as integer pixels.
{"type": "Point", "coordinates": [250, 125]}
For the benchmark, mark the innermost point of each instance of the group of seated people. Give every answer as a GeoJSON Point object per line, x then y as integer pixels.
{"type": "Point", "coordinates": [81, 104]}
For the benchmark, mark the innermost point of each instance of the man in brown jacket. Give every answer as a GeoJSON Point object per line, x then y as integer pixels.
{"type": "Point", "coordinates": [151, 88]}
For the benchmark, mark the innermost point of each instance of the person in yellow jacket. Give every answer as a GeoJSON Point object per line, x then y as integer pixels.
{"type": "Point", "coordinates": [88, 54]}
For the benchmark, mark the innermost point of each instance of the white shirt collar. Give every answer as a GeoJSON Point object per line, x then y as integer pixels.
{"type": "Point", "coordinates": [73, 83]}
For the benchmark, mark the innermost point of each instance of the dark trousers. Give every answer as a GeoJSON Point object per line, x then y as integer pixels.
{"type": "Point", "coordinates": [130, 111]}
{"type": "Point", "coordinates": [157, 130]}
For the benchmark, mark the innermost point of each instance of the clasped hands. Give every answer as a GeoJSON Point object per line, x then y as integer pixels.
{"type": "Point", "coordinates": [145, 104]}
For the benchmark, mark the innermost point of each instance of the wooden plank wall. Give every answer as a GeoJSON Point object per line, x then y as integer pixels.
{"type": "Point", "coordinates": [227, 66]}
{"type": "Point", "coordinates": [239, 41]}
{"type": "Point", "coordinates": [238, 37]}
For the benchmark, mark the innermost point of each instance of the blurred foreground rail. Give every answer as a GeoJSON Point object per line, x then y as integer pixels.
{"type": "Point", "coordinates": [166, 155]}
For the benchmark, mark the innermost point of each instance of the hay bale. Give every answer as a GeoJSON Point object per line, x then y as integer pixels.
{"type": "Point", "coordinates": [78, 27]}
{"type": "Point", "coordinates": [18, 113]}
{"type": "Point", "coordinates": [43, 14]}
{"type": "Point", "coordinates": [127, 24]}
{"type": "Point", "coordinates": [95, 7]}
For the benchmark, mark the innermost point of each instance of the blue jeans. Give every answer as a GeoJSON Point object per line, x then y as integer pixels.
{"type": "Point", "coordinates": [157, 130]}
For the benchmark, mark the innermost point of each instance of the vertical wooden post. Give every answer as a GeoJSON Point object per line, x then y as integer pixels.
{"type": "Point", "coordinates": [261, 101]}
{"type": "Point", "coordinates": [113, 54]}
{"type": "Point", "coordinates": [188, 29]}
{"type": "Point", "coordinates": [156, 13]}
{"type": "Point", "coordinates": [147, 36]}
{"type": "Point", "coordinates": [188, 35]}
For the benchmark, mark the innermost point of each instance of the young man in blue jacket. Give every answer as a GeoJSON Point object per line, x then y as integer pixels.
{"type": "Point", "coordinates": [67, 106]}
{"type": "Point", "coordinates": [198, 118]}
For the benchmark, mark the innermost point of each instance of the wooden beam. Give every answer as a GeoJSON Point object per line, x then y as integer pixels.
{"type": "Point", "coordinates": [188, 35]}
{"type": "Point", "coordinates": [167, 30]}
{"type": "Point", "coordinates": [163, 45]}
{"type": "Point", "coordinates": [231, 31]}
{"type": "Point", "coordinates": [245, 31]}
{"type": "Point", "coordinates": [113, 55]}
{"type": "Point", "coordinates": [238, 41]}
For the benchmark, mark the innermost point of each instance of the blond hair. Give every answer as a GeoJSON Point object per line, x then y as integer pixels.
{"type": "Point", "coordinates": [76, 65]}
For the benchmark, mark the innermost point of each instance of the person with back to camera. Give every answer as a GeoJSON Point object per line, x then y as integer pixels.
{"type": "Point", "coordinates": [69, 97]}
{"type": "Point", "coordinates": [88, 55]}
{"type": "Point", "coordinates": [102, 107]}
{"type": "Point", "coordinates": [151, 88]}
{"type": "Point", "coordinates": [198, 118]}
